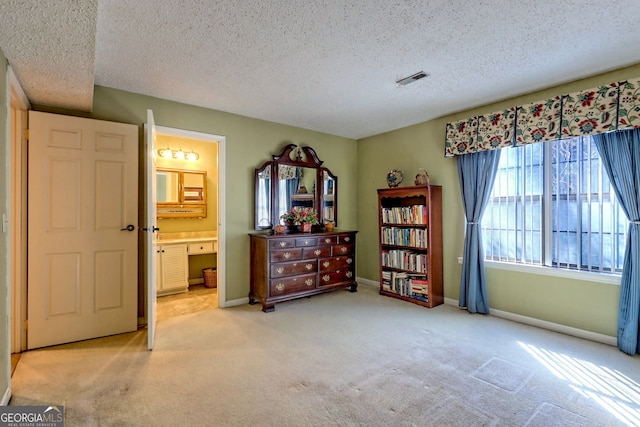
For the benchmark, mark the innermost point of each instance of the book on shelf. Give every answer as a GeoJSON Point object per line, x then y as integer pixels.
{"type": "Point", "coordinates": [405, 260]}
{"type": "Point", "coordinates": [415, 214]}
{"type": "Point", "coordinates": [405, 284]}
{"type": "Point", "coordinates": [415, 237]}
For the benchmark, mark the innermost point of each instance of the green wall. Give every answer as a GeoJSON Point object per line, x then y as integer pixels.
{"type": "Point", "coordinates": [575, 303]}
{"type": "Point", "coordinates": [5, 364]}
{"type": "Point", "coordinates": [249, 143]}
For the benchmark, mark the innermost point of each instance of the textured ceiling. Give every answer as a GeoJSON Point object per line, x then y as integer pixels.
{"type": "Point", "coordinates": [326, 65]}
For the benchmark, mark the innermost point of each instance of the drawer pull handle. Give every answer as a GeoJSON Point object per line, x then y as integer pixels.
{"type": "Point", "coordinates": [327, 240]}
{"type": "Point", "coordinates": [287, 255]}
{"type": "Point", "coordinates": [349, 260]}
{"type": "Point", "coordinates": [309, 282]}
{"type": "Point", "coordinates": [280, 287]}
{"type": "Point", "coordinates": [346, 239]}
{"type": "Point", "coordinates": [309, 267]}
{"type": "Point", "coordinates": [306, 243]}
{"type": "Point", "coordinates": [349, 274]}
{"type": "Point", "coordinates": [283, 244]}
{"type": "Point", "coordinates": [280, 270]}
{"type": "Point", "coordinates": [317, 252]}
{"type": "Point", "coordinates": [326, 277]}
{"type": "Point", "coordinates": [343, 249]}
{"type": "Point", "coordinates": [326, 264]}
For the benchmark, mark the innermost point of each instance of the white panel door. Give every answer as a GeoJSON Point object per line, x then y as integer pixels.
{"type": "Point", "coordinates": [150, 228]}
{"type": "Point", "coordinates": [82, 259]}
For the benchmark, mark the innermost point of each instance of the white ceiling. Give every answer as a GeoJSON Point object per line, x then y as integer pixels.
{"type": "Point", "coordinates": [326, 65]}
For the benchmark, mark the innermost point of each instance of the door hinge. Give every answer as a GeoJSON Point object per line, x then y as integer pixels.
{"type": "Point", "coordinates": [26, 134]}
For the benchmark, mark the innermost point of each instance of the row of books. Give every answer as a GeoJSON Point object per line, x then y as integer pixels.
{"type": "Point", "coordinates": [416, 237]}
{"type": "Point", "coordinates": [416, 214]}
{"type": "Point", "coordinates": [404, 284]}
{"type": "Point", "coordinates": [406, 260]}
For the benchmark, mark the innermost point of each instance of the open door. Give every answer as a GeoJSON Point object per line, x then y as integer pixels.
{"type": "Point", "coordinates": [82, 217]}
{"type": "Point", "coordinates": [150, 226]}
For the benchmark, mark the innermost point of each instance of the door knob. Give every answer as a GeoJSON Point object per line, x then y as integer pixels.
{"type": "Point", "coordinates": [129, 227]}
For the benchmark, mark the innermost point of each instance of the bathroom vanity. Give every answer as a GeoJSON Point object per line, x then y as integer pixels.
{"type": "Point", "coordinates": [173, 251]}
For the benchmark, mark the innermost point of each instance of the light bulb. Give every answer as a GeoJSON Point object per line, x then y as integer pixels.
{"type": "Point", "coordinates": [180, 155]}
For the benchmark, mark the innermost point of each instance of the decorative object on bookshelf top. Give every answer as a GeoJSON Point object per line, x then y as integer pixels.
{"type": "Point", "coordinates": [422, 178]}
{"type": "Point", "coordinates": [394, 178]}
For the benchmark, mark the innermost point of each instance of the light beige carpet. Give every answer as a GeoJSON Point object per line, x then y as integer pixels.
{"type": "Point", "coordinates": [337, 359]}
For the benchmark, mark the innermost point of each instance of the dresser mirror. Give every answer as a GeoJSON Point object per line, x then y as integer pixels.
{"type": "Point", "coordinates": [295, 177]}
{"type": "Point", "coordinates": [181, 193]}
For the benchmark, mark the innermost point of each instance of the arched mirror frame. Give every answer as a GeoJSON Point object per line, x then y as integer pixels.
{"type": "Point", "coordinates": [267, 193]}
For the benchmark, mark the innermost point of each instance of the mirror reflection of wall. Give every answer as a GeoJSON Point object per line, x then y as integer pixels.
{"type": "Point", "coordinates": [167, 183]}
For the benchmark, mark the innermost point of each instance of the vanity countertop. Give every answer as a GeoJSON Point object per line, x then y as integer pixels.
{"type": "Point", "coordinates": [187, 236]}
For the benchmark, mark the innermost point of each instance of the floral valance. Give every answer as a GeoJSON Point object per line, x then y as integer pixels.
{"type": "Point", "coordinates": [287, 172]}
{"type": "Point", "coordinates": [603, 109]}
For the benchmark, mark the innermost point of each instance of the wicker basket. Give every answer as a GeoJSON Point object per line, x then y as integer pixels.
{"type": "Point", "coordinates": [210, 276]}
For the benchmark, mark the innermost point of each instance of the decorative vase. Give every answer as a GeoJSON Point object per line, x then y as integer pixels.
{"type": "Point", "coordinates": [279, 229]}
{"type": "Point", "coordinates": [422, 178]}
{"type": "Point", "coordinates": [329, 226]}
{"type": "Point", "coordinates": [306, 227]}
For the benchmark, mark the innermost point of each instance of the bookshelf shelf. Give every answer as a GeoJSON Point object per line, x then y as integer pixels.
{"type": "Point", "coordinates": [410, 244]}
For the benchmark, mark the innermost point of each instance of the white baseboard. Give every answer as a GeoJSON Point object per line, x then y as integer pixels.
{"type": "Point", "coordinates": [362, 281]}
{"type": "Point", "coordinates": [543, 324]}
{"type": "Point", "coordinates": [6, 397]}
{"type": "Point", "coordinates": [530, 321]}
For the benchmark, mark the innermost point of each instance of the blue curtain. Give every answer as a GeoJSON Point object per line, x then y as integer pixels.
{"type": "Point", "coordinates": [620, 153]}
{"type": "Point", "coordinates": [477, 172]}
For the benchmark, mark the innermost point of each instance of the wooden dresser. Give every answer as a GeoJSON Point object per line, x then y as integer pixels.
{"type": "Point", "coordinates": [288, 266]}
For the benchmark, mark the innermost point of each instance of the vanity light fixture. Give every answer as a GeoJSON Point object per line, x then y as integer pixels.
{"type": "Point", "coordinates": [168, 153]}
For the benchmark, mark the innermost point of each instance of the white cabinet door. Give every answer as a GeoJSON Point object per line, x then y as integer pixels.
{"type": "Point", "coordinates": [174, 268]}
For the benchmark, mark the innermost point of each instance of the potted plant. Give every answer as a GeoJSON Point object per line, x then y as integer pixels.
{"type": "Point", "coordinates": [300, 216]}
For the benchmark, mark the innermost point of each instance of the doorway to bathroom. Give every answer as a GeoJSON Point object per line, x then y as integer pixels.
{"type": "Point", "coordinates": [190, 240]}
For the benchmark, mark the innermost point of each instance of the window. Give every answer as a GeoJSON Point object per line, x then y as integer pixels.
{"type": "Point", "coordinates": [552, 204]}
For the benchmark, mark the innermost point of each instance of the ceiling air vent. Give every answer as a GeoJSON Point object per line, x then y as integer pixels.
{"type": "Point", "coordinates": [406, 80]}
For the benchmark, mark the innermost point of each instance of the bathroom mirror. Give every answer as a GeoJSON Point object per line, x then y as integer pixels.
{"type": "Point", "coordinates": [295, 177]}
{"type": "Point", "coordinates": [181, 193]}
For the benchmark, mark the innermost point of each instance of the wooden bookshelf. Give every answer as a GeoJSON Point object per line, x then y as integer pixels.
{"type": "Point", "coordinates": [410, 243]}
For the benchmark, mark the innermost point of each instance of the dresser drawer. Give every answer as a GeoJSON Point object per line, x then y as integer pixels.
{"type": "Point", "coordinates": [328, 240]}
{"type": "Point", "coordinates": [282, 269]}
{"type": "Point", "coordinates": [328, 264]}
{"type": "Point", "coordinates": [291, 285]}
{"type": "Point", "coordinates": [285, 255]}
{"type": "Point", "coordinates": [338, 276]}
{"type": "Point", "coordinates": [342, 249]}
{"type": "Point", "coordinates": [345, 238]}
{"type": "Point", "coordinates": [317, 252]}
{"type": "Point", "coordinates": [282, 243]}
{"type": "Point", "coordinates": [307, 242]}
{"type": "Point", "coordinates": [201, 248]}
